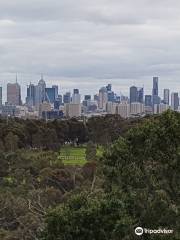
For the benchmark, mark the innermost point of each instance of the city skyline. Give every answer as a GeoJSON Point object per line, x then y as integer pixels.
{"type": "Point", "coordinates": [51, 93]}
{"type": "Point", "coordinates": [43, 101]}
{"type": "Point", "coordinates": [90, 43]}
{"type": "Point", "coordinates": [118, 88]}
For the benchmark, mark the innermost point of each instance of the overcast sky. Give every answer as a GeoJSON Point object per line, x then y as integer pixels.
{"type": "Point", "coordinates": [88, 43]}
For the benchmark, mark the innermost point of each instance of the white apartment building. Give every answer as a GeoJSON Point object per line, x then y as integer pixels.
{"type": "Point", "coordinates": [103, 98]}
{"type": "Point", "coordinates": [123, 109]}
{"type": "Point", "coordinates": [76, 98]}
{"type": "Point", "coordinates": [160, 108]}
{"type": "Point", "coordinates": [72, 110]}
{"type": "Point", "coordinates": [137, 108]}
{"type": "Point", "coordinates": [111, 108]}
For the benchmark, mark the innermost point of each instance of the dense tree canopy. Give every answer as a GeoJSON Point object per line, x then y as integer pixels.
{"type": "Point", "coordinates": [51, 135]}
{"type": "Point", "coordinates": [88, 217]}
{"type": "Point", "coordinates": [141, 174]}
{"type": "Point", "coordinates": [135, 183]}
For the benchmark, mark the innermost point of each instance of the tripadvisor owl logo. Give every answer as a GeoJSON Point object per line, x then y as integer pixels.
{"type": "Point", "coordinates": [139, 231]}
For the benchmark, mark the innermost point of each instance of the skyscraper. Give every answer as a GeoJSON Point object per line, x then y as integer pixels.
{"type": "Point", "coordinates": [40, 92]}
{"type": "Point", "coordinates": [58, 102]}
{"type": "Point", "coordinates": [50, 95]}
{"type": "Point", "coordinates": [30, 99]}
{"type": "Point", "coordinates": [0, 96]}
{"type": "Point", "coordinates": [14, 94]}
{"type": "Point", "coordinates": [76, 91]}
{"type": "Point", "coordinates": [140, 95]}
{"type": "Point", "coordinates": [67, 97]}
{"type": "Point", "coordinates": [133, 94]}
{"type": "Point", "coordinates": [76, 97]}
{"type": "Point", "coordinates": [155, 86]}
{"type": "Point", "coordinates": [174, 101]}
{"type": "Point", "coordinates": [103, 98]}
{"type": "Point", "coordinates": [56, 90]}
{"type": "Point", "coordinates": [87, 97]}
{"type": "Point", "coordinates": [42, 89]}
{"type": "Point", "coordinates": [155, 97]}
{"type": "Point", "coordinates": [166, 96]}
{"type": "Point", "coordinates": [148, 100]}
{"type": "Point", "coordinates": [109, 87]}
{"type": "Point", "coordinates": [96, 97]}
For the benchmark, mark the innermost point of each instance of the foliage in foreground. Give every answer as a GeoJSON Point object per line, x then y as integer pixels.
{"type": "Point", "coordinates": [141, 174]}
{"type": "Point", "coordinates": [89, 217]}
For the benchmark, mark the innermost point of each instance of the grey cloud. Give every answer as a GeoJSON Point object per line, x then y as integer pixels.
{"type": "Point", "coordinates": [78, 42]}
{"type": "Point", "coordinates": [98, 11]}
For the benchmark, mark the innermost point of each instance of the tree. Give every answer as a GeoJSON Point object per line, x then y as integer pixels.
{"type": "Point", "coordinates": [1, 146]}
{"type": "Point", "coordinates": [90, 151]}
{"type": "Point", "coordinates": [106, 129]}
{"type": "Point", "coordinates": [144, 168]}
{"type": "Point", "coordinates": [86, 217]}
{"type": "Point", "coordinates": [11, 142]}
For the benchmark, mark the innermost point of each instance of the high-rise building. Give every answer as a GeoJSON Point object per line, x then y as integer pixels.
{"type": "Point", "coordinates": [96, 97]}
{"type": "Point", "coordinates": [174, 101]}
{"type": "Point", "coordinates": [160, 108]}
{"type": "Point", "coordinates": [40, 92]}
{"type": "Point", "coordinates": [50, 95]}
{"type": "Point", "coordinates": [123, 109]}
{"type": "Point", "coordinates": [109, 87]}
{"type": "Point", "coordinates": [133, 94]}
{"type": "Point", "coordinates": [111, 107]}
{"type": "Point", "coordinates": [111, 96]}
{"type": "Point", "coordinates": [140, 95]}
{"type": "Point", "coordinates": [14, 94]}
{"type": "Point", "coordinates": [0, 96]}
{"type": "Point", "coordinates": [42, 89]}
{"type": "Point", "coordinates": [87, 97]}
{"type": "Point", "coordinates": [56, 90]}
{"type": "Point", "coordinates": [155, 97]}
{"type": "Point", "coordinates": [155, 86]}
{"type": "Point", "coordinates": [72, 110]}
{"type": "Point", "coordinates": [76, 97]}
{"type": "Point", "coordinates": [103, 98]}
{"type": "Point", "coordinates": [148, 100]}
{"type": "Point", "coordinates": [58, 102]}
{"type": "Point", "coordinates": [67, 97]}
{"type": "Point", "coordinates": [31, 94]}
{"type": "Point", "coordinates": [136, 94]}
{"type": "Point", "coordinates": [137, 108]}
{"type": "Point", "coordinates": [76, 91]}
{"type": "Point", "coordinates": [166, 96]}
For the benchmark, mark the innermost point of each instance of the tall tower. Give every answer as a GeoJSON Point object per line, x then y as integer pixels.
{"type": "Point", "coordinates": [155, 97]}
{"type": "Point", "coordinates": [133, 94]}
{"type": "Point", "coordinates": [0, 96]}
{"type": "Point", "coordinates": [166, 96]}
{"type": "Point", "coordinates": [56, 90]}
{"type": "Point", "coordinates": [103, 98]}
{"type": "Point", "coordinates": [174, 101]}
{"type": "Point", "coordinates": [14, 93]}
{"type": "Point", "coordinates": [40, 92]}
{"type": "Point", "coordinates": [67, 97]}
{"type": "Point", "coordinates": [76, 97]}
{"type": "Point", "coordinates": [140, 95]}
{"type": "Point", "coordinates": [30, 99]}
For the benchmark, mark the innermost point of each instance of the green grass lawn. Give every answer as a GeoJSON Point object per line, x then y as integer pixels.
{"type": "Point", "coordinates": [76, 156]}
{"type": "Point", "coordinates": [73, 156]}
